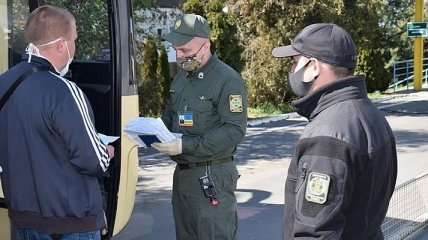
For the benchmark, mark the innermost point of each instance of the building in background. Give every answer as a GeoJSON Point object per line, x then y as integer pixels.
{"type": "Point", "coordinates": [156, 22]}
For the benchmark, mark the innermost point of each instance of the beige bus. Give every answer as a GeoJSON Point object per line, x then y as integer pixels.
{"type": "Point", "coordinates": [104, 69]}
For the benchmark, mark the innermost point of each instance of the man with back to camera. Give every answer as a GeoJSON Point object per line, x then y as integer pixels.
{"type": "Point", "coordinates": [344, 168]}
{"type": "Point", "coordinates": [208, 105]}
{"type": "Point", "coordinates": [49, 149]}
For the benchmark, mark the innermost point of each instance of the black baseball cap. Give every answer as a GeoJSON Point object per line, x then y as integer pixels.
{"type": "Point", "coordinates": [186, 27]}
{"type": "Point", "coordinates": [324, 41]}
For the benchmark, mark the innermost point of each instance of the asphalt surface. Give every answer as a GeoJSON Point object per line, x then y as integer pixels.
{"type": "Point", "coordinates": [262, 161]}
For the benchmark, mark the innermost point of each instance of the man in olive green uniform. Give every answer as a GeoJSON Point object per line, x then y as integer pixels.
{"type": "Point", "coordinates": [208, 105]}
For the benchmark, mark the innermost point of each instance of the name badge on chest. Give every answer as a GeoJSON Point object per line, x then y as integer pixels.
{"type": "Point", "coordinates": [185, 119]}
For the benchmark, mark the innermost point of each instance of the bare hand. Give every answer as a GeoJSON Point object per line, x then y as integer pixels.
{"type": "Point", "coordinates": [110, 150]}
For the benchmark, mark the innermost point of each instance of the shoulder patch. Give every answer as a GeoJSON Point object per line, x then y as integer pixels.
{"type": "Point", "coordinates": [317, 187]}
{"type": "Point", "coordinates": [235, 103]}
{"type": "Point", "coordinates": [177, 24]}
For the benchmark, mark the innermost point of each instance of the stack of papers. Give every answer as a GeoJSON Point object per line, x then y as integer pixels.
{"type": "Point", "coordinates": [145, 131]}
{"type": "Point", "coordinates": [107, 139]}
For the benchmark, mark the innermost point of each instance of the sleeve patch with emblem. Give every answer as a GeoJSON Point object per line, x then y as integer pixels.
{"type": "Point", "coordinates": [235, 103]}
{"type": "Point", "coordinates": [317, 187]}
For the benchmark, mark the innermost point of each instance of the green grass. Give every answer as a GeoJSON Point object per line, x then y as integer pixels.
{"type": "Point", "coordinates": [375, 95]}
{"type": "Point", "coordinates": [269, 109]}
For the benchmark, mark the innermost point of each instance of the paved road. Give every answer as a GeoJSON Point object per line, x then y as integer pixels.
{"type": "Point", "coordinates": [262, 161]}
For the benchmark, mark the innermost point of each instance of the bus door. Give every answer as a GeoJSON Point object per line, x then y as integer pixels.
{"type": "Point", "coordinates": [103, 67]}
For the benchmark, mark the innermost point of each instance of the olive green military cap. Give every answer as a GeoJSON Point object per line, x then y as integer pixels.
{"type": "Point", "coordinates": [187, 27]}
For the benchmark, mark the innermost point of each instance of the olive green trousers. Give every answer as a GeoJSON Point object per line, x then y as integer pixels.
{"type": "Point", "coordinates": [195, 218]}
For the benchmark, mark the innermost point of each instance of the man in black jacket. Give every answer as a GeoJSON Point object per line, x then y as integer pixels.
{"type": "Point", "coordinates": [344, 169]}
{"type": "Point", "coordinates": [50, 152]}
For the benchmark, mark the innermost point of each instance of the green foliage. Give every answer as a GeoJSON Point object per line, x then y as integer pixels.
{"type": "Point", "coordinates": [224, 30]}
{"type": "Point", "coordinates": [194, 6]}
{"type": "Point", "coordinates": [92, 23]}
{"type": "Point", "coordinates": [224, 35]}
{"type": "Point", "coordinates": [263, 27]}
{"type": "Point", "coordinates": [372, 64]}
{"type": "Point", "coordinates": [245, 36]}
{"type": "Point", "coordinates": [164, 73]}
{"type": "Point", "coordinates": [139, 4]}
{"type": "Point", "coordinates": [394, 18]}
{"type": "Point", "coordinates": [268, 24]}
{"type": "Point", "coordinates": [149, 86]}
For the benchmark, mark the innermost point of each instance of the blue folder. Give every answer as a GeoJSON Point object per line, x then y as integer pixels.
{"type": "Point", "coordinates": [149, 139]}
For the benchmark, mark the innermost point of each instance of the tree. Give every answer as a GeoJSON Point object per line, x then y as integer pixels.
{"type": "Point", "coordinates": [91, 19]}
{"type": "Point", "coordinates": [263, 26]}
{"type": "Point", "coordinates": [164, 73]}
{"type": "Point", "coordinates": [149, 86]}
{"type": "Point", "coordinates": [224, 31]}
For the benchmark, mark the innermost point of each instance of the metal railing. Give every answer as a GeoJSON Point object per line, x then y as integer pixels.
{"type": "Point", "coordinates": [402, 73]}
{"type": "Point", "coordinates": [408, 209]}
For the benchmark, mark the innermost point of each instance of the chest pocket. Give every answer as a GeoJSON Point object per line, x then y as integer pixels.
{"type": "Point", "coordinates": [203, 110]}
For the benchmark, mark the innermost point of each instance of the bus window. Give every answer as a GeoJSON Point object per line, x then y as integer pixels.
{"type": "Point", "coordinates": [93, 42]}
{"type": "Point", "coordinates": [12, 43]}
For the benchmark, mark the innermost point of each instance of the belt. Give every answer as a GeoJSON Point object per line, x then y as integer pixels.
{"type": "Point", "coordinates": [182, 166]}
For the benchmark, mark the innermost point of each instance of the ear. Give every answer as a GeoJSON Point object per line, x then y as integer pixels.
{"type": "Point", "coordinates": [208, 45]}
{"type": "Point", "coordinates": [315, 67]}
{"type": "Point", "coordinates": [61, 46]}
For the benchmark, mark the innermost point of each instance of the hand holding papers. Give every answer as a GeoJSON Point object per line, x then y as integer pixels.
{"type": "Point", "coordinates": [172, 148]}
{"type": "Point", "coordinates": [144, 131]}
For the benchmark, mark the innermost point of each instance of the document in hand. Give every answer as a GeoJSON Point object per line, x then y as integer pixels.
{"type": "Point", "coordinates": [145, 131]}
{"type": "Point", "coordinates": [107, 139]}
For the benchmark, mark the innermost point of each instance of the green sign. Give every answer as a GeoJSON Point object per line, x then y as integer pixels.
{"type": "Point", "coordinates": [417, 29]}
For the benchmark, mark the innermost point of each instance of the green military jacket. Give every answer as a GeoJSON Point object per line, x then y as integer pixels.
{"type": "Point", "coordinates": [209, 107]}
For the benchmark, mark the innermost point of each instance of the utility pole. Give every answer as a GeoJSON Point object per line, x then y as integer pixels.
{"type": "Point", "coordinates": [418, 52]}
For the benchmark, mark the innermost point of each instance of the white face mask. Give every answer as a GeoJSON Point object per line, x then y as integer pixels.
{"type": "Point", "coordinates": [33, 49]}
{"type": "Point", "coordinates": [67, 65]}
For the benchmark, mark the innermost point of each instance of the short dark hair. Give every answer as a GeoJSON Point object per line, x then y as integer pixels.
{"type": "Point", "coordinates": [341, 72]}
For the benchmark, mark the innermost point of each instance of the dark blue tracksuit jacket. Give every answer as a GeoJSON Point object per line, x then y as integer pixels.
{"type": "Point", "coordinates": [50, 153]}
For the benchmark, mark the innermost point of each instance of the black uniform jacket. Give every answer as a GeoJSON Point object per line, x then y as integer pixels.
{"type": "Point", "coordinates": [344, 169]}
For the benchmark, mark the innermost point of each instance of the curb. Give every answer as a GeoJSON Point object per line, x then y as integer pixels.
{"type": "Point", "coordinates": [256, 122]}
{"type": "Point", "coordinates": [276, 118]}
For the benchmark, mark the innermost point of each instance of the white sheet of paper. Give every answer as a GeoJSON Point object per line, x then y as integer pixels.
{"type": "Point", "coordinates": [107, 139]}
{"type": "Point", "coordinates": [147, 126]}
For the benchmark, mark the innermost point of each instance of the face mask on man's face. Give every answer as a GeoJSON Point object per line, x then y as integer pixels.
{"type": "Point", "coordinates": [190, 63]}
{"type": "Point", "coordinates": [67, 65]}
{"type": "Point", "coordinates": [297, 83]}
{"type": "Point", "coordinates": [33, 49]}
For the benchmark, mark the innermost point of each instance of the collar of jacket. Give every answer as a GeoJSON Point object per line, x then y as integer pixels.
{"type": "Point", "coordinates": [353, 87]}
{"type": "Point", "coordinates": [38, 61]}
